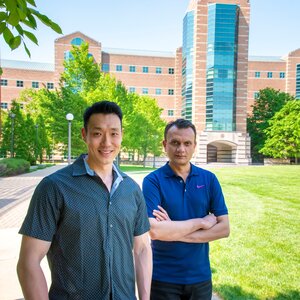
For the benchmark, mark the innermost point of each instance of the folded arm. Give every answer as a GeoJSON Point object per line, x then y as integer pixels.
{"type": "Point", "coordinates": [220, 230]}
{"type": "Point", "coordinates": [30, 273]}
{"type": "Point", "coordinates": [143, 265]}
{"type": "Point", "coordinates": [164, 229]}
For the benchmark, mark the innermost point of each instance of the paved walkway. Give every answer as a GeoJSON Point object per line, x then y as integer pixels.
{"type": "Point", "coordinates": [15, 194]}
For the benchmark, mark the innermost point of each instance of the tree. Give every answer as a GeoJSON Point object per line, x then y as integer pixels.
{"type": "Point", "coordinates": [266, 105]}
{"type": "Point", "coordinates": [14, 15]}
{"type": "Point", "coordinates": [283, 134]}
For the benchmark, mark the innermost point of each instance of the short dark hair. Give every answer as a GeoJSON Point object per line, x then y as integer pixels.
{"type": "Point", "coordinates": [180, 124]}
{"type": "Point", "coordinates": [102, 107]}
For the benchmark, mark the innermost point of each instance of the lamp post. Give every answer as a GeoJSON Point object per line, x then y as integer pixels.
{"type": "Point", "coordinates": [12, 116]}
{"type": "Point", "coordinates": [69, 117]}
{"type": "Point", "coordinates": [36, 141]}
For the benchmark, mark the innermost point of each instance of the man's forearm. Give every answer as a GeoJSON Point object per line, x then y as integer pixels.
{"type": "Point", "coordinates": [220, 230]}
{"type": "Point", "coordinates": [33, 282]}
{"type": "Point", "coordinates": [143, 269]}
{"type": "Point", "coordinates": [174, 230]}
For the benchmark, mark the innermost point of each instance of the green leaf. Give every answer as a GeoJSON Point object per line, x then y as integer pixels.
{"type": "Point", "coordinates": [15, 42]}
{"type": "Point", "coordinates": [20, 29]}
{"type": "Point", "coordinates": [13, 18]}
{"type": "Point", "coordinates": [2, 27]}
{"type": "Point", "coordinates": [31, 19]}
{"type": "Point", "coordinates": [7, 34]}
{"type": "Point", "coordinates": [1, 71]}
{"type": "Point", "coordinates": [3, 16]}
{"type": "Point", "coordinates": [26, 49]}
{"type": "Point", "coordinates": [31, 36]}
{"type": "Point", "coordinates": [56, 27]}
{"type": "Point", "coordinates": [31, 2]}
{"type": "Point", "coordinates": [11, 5]}
{"type": "Point", "coordinates": [29, 24]}
{"type": "Point", "coordinates": [21, 14]}
{"type": "Point", "coordinates": [22, 4]}
{"type": "Point", "coordinates": [44, 19]}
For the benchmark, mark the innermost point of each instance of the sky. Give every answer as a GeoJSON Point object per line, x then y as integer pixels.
{"type": "Point", "coordinates": [154, 25]}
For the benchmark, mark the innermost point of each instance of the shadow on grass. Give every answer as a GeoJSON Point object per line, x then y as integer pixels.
{"type": "Point", "coordinates": [291, 295]}
{"type": "Point", "coordinates": [228, 292]}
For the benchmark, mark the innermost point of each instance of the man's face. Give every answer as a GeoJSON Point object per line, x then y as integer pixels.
{"type": "Point", "coordinates": [180, 145]}
{"type": "Point", "coordinates": [103, 138]}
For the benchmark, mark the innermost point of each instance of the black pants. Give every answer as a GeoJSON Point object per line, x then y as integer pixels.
{"type": "Point", "coordinates": [170, 291]}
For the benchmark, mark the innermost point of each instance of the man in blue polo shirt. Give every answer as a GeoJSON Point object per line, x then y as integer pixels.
{"type": "Point", "coordinates": [186, 209]}
{"type": "Point", "coordinates": [90, 219]}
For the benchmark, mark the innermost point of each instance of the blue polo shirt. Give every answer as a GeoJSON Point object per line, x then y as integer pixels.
{"type": "Point", "coordinates": [201, 194]}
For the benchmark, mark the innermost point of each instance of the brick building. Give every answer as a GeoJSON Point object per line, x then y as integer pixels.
{"type": "Point", "coordinates": [209, 80]}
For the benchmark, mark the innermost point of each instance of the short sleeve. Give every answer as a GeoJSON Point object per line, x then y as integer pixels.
{"type": "Point", "coordinates": [142, 224]}
{"type": "Point", "coordinates": [44, 211]}
{"type": "Point", "coordinates": [217, 201]}
{"type": "Point", "coordinates": [151, 193]}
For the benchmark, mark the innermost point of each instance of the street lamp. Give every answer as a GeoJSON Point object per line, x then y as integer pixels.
{"type": "Point", "coordinates": [36, 141]}
{"type": "Point", "coordinates": [12, 116]}
{"type": "Point", "coordinates": [69, 117]}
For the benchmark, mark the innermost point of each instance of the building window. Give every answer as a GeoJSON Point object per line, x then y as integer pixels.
{"type": "Point", "coordinates": [158, 70]}
{"type": "Point", "coordinates": [257, 74]}
{"type": "Point", "coordinates": [282, 75]}
{"type": "Point", "coordinates": [22, 105]}
{"type": "Point", "coordinates": [158, 91]}
{"type": "Point", "coordinates": [68, 55]}
{"type": "Point", "coordinates": [77, 41]}
{"type": "Point", "coordinates": [145, 69]}
{"type": "Point", "coordinates": [132, 69]}
{"type": "Point", "coordinates": [270, 74]}
{"type": "Point", "coordinates": [170, 92]}
{"type": "Point", "coordinates": [119, 68]}
{"type": "Point", "coordinates": [4, 82]}
{"type": "Point", "coordinates": [50, 85]}
{"type": "Point", "coordinates": [105, 67]}
{"type": "Point", "coordinates": [298, 81]}
{"type": "Point", "coordinates": [145, 91]}
{"type": "Point", "coordinates": [35, 84]}
{"type": "Point", "coordinates": [170, 112]}
{"type": "Point", "coordinates": [3, 105]}
{"type": "Point", "coordinates": [171, 70]}
{"type": "Point", "coordinates": [131, 89]}
{"type": "Point", "coordinates": [256, 95]}
{"type": "Point", "coordinates": [20, 83]}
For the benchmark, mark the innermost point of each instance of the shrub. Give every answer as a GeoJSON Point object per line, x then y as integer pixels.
{"type": "Point", "coordinates": [13, 166]}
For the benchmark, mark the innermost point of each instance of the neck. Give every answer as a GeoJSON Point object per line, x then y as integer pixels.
{"type": "Point", "coordinates": [181, 170]}
{"type": "Point", "coordinates": [103, 171]}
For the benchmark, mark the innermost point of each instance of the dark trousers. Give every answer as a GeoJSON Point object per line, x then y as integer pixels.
{"type": "Point", "coordinates": [170, 291]}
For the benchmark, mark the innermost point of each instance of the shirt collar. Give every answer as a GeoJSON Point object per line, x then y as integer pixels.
{"type": "Point", "coordinates": [170, 173]}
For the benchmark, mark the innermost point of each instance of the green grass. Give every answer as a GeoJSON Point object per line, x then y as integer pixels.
{"type": "Point", "coordinates": [261, 258]}
{"type": "Point", "coordinates": [129, 168]}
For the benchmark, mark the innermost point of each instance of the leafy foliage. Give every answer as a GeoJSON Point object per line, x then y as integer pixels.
{"type": "Point", "coordinates": [266, 105]}
{"type": "Point", "coordinates": [14, 15]}
{"type": "Point", "coordinates": [283, 134]}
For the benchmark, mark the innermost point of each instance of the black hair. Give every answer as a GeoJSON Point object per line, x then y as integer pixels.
{"type": "Point", "coordinates": [180, 124]}
{"type": "Point", "coordinates": [102, 107]}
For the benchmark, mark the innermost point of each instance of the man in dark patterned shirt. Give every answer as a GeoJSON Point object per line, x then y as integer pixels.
{"type": "Point", "coordinates": [90, 220]}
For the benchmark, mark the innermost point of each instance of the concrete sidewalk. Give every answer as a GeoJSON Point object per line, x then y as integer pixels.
{"type": "Point", "coordinates": [15, 194]}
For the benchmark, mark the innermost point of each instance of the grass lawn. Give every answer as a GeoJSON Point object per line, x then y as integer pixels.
{"type": "Point", "coordinates": [129, 168]}
{"type": "Point", "coordinates": [261, 258]}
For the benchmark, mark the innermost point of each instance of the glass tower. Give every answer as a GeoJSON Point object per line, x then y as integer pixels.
{"type": "Point", "coordinates": [298, 82]}
{"type": "Point", "coordinates": [187, 65]}
{"type": "Point", "coordinates": [221, 67]}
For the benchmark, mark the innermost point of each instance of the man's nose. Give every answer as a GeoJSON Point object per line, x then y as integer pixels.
{"type": "Point", "coordinates": [180, 148]}
{"type": "Point", "coordinates": [105, 140]}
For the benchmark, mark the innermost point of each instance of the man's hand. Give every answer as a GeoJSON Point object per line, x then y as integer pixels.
{"type": "Point", "coordinates": [161, 214]}
{"type": "Point", "coordinates": [209, 221]}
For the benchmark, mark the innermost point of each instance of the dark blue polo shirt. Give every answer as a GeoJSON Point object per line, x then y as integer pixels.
{"type": "Point", "coordinates": [201, 194]}
{"type": "Point", "coordinates": [91, 232]}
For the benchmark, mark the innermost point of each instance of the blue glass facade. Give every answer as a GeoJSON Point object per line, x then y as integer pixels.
{"type": "Point", "coordinates": [221, 68]}
{"type": "Point", "coordinates": [298, 82]}
{"type": "Point", "coordinates": [187, 65]}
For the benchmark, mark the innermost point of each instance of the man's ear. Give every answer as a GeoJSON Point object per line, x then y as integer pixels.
{"type": "Point", "coordinates": [164, 143]}
{"type": "Point", "coordinates": [83, 134]}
